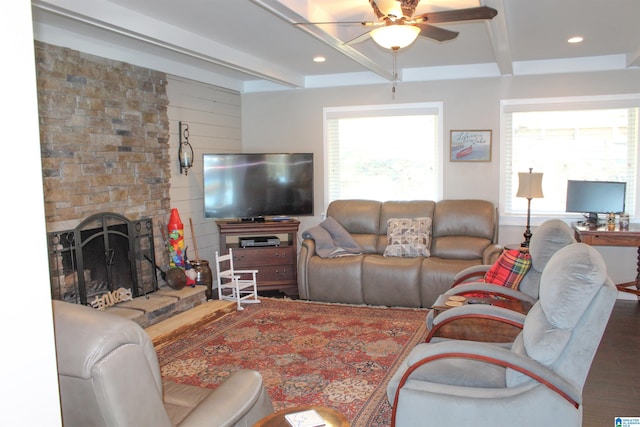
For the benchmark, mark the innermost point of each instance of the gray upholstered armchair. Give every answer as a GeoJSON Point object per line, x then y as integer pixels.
{"type": "Point", "coordinates": [548, 238]}
{"type": "Point", "coordinates": [109, 376]}
{"type": "Point", "coordinates": [538, 381]}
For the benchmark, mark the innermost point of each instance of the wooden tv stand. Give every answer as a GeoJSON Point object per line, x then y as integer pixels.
{"type": "Point", "coordinates": [277, 265]}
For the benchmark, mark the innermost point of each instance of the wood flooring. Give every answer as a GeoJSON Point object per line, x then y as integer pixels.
{"type": "Point", "coordinates": [613, 385]}
{"type": "Point", "coordinates": [183, 323]}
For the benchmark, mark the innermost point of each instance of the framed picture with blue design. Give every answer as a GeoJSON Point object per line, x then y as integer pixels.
{"type": "Point", "coordinates": [470, 146]}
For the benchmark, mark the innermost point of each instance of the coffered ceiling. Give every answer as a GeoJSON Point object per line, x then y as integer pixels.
{"type": "Point", "coordinates": [253, 45]}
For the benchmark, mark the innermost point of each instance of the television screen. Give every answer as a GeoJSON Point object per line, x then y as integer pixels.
{"type": "Point", "coordinates": [594, 197]}
{"type": "Point", "coordinates": [255, 185]}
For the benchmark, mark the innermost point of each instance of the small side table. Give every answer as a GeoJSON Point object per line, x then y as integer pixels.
{"type": "Point", "coordinates": [479, 329]}
{"type": "Point", "coordinates": [330, 415]}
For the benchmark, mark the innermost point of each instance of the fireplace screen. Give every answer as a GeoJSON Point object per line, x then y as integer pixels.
{"type": "Point", "coordinates": [104, 253]}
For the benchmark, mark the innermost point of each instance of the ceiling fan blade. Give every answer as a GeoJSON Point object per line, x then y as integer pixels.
{"type": "Point", "coordinates": [436, 33]}
{"type": "Point", "coordinates": [470, 14]}
{"type": "Point", "coordinates": [361, 38]}
{"type": "Point", "coordinates": [364, 23]}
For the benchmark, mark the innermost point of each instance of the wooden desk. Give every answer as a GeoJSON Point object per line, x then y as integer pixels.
{"type": "Point", "coordinates": [603, 236]}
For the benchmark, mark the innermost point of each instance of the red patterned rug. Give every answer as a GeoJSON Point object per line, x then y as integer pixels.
{"type": "Point", "coordinates": [308, 353]}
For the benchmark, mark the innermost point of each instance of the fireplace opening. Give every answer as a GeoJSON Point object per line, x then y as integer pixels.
{"type": "Point", "coordinates": [104, 253]}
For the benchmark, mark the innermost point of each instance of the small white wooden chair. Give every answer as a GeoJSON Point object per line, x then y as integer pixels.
{"type": "Point", "coordinates": [233, 284]}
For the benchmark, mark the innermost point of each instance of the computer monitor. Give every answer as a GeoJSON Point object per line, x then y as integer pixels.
{"type": "Point", "coordinates": [594, 197]}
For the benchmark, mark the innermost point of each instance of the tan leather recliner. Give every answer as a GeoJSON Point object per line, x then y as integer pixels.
{"type": "Point", "coordinates": [109, 376]}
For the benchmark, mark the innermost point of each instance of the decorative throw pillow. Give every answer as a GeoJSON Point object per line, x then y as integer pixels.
{"type": "Point", "coordinates": [408, 237]}
{"type": "Point", "coordinates": [509, 269]}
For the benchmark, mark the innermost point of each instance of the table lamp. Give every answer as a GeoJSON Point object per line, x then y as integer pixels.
{"type": "Point", "coordinates": [530, 187]}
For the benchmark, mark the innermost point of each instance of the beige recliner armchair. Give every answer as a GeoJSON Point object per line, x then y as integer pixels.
{"type": "Point", "coordinates": [109, 376]}
{"type": "Point", "coordinates": [538, 380]}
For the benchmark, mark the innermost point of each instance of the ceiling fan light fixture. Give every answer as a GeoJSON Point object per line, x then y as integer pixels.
{"type": "Point", "coordinates": [395, 36]}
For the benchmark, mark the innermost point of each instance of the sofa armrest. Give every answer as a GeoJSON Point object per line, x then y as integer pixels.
{"type": "Point", "coordinates": [307, 250]}
{"type": "Point", "coordinates": [490, 289]}
{"type": "Point", "coordinates": [491, 254]}
{"type": "Point", "coordinates": [470, 274]}
{"type": "Point", "coordinates": [423, 354]}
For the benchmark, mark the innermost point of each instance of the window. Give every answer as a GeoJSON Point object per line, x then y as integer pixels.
{"type": "Point", "coordinates": [383, 152]}
{"type": "Point", "coordinates": [576, 138]}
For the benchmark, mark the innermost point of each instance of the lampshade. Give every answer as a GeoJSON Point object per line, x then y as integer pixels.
{"type": "Point", "coordinates": [395, 36]}
{"type": "Point", "coordinates": [530, 185]}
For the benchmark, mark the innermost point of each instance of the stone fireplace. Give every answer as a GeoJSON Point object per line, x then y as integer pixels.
{"type": "Point", "coordinates": [104, 133]}
{"type": "Point", "coordinates": [104, 253]}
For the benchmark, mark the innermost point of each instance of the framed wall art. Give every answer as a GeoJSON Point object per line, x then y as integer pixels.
{"type": "Point", "coordinates": [470, 146]}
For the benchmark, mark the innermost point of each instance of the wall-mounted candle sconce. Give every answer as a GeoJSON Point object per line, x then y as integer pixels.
{"type": "Point", "coordinates": [185, 152]}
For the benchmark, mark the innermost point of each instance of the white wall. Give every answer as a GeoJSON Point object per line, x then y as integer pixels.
{"type": "Point", "coordinates": [292, 121]}
{"type": "Point", "coordinates": [28, 371]}
{"type": "Point", "coordinates": [213, 116]}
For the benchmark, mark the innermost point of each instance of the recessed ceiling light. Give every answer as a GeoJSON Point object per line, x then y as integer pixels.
{"type": "Point", "coordinates": [575, 39]}
{"type": "Point", "coordinates": [319, 59]}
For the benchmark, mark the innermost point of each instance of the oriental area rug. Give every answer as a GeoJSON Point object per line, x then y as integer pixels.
{"type": "Point", "coordinates": [333, 355]}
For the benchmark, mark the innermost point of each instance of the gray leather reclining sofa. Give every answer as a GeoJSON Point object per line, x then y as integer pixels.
{"type": "Point", "coordinates": [464, 233]}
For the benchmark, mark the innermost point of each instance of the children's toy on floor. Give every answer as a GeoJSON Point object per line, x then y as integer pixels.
{"type": "Point", "coordinates": [176, 240]}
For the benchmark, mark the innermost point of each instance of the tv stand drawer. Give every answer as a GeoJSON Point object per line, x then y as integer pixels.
{"type": "Point", "coordinates": [262, 256]}
{"type": "Point", "coordinates": [276, 273]}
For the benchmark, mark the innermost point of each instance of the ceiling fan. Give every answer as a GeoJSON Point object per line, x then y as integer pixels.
{"type": "Point", "coordinates": [396, 26]}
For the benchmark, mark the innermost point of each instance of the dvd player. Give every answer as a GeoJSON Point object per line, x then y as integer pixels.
{"type": "Point", "coordinates": [259, 241]}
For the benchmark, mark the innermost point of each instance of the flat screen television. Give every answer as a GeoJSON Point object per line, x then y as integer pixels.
{"type": "Point", "coordinates": [251, 186]}
{"type": "Point", "coordinates": [594, 197]}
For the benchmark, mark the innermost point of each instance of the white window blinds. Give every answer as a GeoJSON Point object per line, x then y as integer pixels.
{"type": "Point", "coordinates": [578, 139]}
{"type": "Point", "coordinates": [383, 152]}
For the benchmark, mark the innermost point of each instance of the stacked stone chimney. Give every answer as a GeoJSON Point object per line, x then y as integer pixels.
{"type": "Point", "coordinates": [105, 137]}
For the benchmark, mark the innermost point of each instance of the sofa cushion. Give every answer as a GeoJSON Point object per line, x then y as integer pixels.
{"type": "Point", "coordinates": [437, 274]}
{"type": "Point", "coordinates": [335, 279]}
{"type": "Point", "coordinates": [471, 218]}
{"type": "Point", "coordinates": [509, 269]}
{"type": "Point", "coordinates": [459, 247]}
{"type": "Point", "coordinates": [361, 218]}
{"type": "Point", "coordinates": [357, 216]}
{"type": "Point", "coordinates": [408, 237]}
{"type": "Point", "coordinates": [391, 281]}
